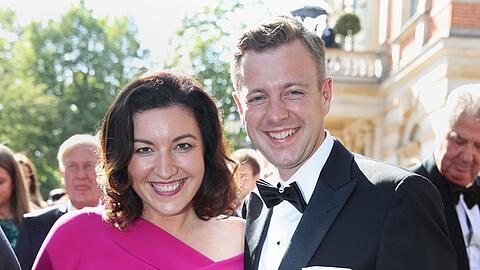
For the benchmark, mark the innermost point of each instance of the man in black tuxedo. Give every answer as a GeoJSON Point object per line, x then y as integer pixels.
{"type": "Point", "coordinates": [453, 168]}
{"type": "Point", "coordinates": [8, 261]}
{"type": "Point", "coordinates": [323, 206]}
{"type": "Point", "coordinates": [77, 159]}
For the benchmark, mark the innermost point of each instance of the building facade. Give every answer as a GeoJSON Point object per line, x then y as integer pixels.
{"type": "Point", "coordinates": [392, 77]}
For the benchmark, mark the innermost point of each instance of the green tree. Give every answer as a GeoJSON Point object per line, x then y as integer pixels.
{"type": "Point", "coordinates": [348, 24]}
{"type": "Point", "coordinates": [9, 31]}
{"type": "Point", "coordinates": [83, 61]}
{"type": "Point", "coordinates": [201, 45]}
{"type": "Point", "coordinates": [24, 119]}
{"type": "Point", "coordinates": [24, 109]}
{"type": "Point", "coordinates": [59, 78]}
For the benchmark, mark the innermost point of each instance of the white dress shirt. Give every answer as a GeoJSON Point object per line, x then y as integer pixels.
{"type": "Point", "coordinates": [286, 217]}
{"type": "Point", "coordinates": [71, 208]}
{"type": "Point", "coordinates": [470, 223]}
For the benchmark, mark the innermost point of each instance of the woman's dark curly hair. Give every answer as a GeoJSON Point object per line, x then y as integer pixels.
{"type": "Point", "coordinates": [217, 193]}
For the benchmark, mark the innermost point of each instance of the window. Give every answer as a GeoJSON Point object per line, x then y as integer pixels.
{"type": "Point", "coordinates": [413, 8]}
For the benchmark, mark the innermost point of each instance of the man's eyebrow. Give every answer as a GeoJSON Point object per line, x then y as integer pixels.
{"type": "Point", "coordinates": [254, 91]}
{"type": "Point", "coordinates": [290, 84]}
{"type": "Point", "coordinates": [454, 134]}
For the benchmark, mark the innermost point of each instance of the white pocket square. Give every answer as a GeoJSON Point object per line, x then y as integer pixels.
{"type": "Point", "coordinates": [324, 268]}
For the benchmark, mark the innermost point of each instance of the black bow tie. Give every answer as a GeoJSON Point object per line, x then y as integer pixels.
{"type": "Point", "coordinates": [274, 195]}
{"type": "Point", "coordinates": [471, 195]}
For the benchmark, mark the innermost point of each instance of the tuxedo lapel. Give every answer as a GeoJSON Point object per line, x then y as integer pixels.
{"type": "Point", "coordinates": [50, 219]}
{"type": "Point", "coordinates": [441, 183]}
{"type": "Point", "coordinates": [451, 217]}
{"type": "Point", "coordinates": [258, 220]}
{"type": "Point", "coordinates": [331, 192]}
{"type": "Point", "coordinates": [40, 227]}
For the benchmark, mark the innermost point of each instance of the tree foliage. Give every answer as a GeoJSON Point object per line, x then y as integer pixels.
{"type": "Point", "coordinates": [83, 61]}
{"type": "Point", "coordinates": [347, 24]}
{"type": "Point", "coordinates": [9, 31]}
{"type": "Point", "coordinates": [201, 45]}
{"type": "Point", "coordinates": [24, 120]}
{"type": "Point", "coordinates": [59, 78]}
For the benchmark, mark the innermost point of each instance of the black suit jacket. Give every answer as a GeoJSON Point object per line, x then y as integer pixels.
{"type": "Point", "coordinates": [8, 261]}
{"type": "Point", "coordinates": [33, 230]}
{"type": "Point", "coordinates": [363, 215]}
{"type": "Point", "coordinates": [429, 169]}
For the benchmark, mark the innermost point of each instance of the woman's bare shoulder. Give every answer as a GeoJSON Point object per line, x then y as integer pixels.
{"type": "Point", "coordinates": [233, 229]}
{"type": "Point", "coordinates": [234, 224]}
{"type": "Point", "coordinates": [227, 233]}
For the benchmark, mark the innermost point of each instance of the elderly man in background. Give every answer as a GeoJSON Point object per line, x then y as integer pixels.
{"type": "Point", "coordinates": [453, 169]}
{"type": "Point", "coordinates": [77, 160]}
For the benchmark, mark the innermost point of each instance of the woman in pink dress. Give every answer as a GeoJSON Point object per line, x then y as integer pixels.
{"type": "Point", "coordinates": [168, 189]}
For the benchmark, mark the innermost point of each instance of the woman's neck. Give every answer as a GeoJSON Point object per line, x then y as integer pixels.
{"type": "Point", "coordinates": [175, 225]}
{"type": "Point", "coordinates": [5, 211]}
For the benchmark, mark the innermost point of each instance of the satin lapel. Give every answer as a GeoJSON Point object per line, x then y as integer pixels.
{"type": "Point", "coordinates": [451, 216]}
{"type": "Point", "coordinates": [332, 190]}
{"type": "Point", "coordinates": [258, 220]}
{"type": "Point", "coordinates": [47, 220]}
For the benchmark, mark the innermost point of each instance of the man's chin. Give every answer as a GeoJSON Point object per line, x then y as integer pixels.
{"type": "Point", "coordinates": [84, 203]}
{"type": "Point", "coordinates": [461, 180]}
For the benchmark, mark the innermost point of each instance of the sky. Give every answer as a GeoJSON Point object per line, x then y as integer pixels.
{"type": "Point", "coordinates": [156, 19]}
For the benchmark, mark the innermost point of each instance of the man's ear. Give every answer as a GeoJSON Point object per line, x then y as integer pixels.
{"type": "Point", "coordinates": [239, 106]}
{"type": "Point", "coordinates": [62, 175]}
{"type": "Point", "coordinates": [327, 92]}
{"type": "Point", "coordinates": [238, 102]}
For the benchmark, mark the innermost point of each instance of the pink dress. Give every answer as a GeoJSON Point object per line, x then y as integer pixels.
{"type": "Point", "coordinates": [82, 240]}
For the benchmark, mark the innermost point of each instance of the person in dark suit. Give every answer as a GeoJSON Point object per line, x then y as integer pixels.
{"type": "Point", "coordinates": [8, 261]}
{"type": "Point", "coordinates": [328, 36]}
{"type": "Point", "coordinates": [453, 168]}
{"type": "Point", "coordinates": [33, 230]}
{"type": "Point", "coordinates": [323, 206]}
{"type": "Point", "coordinates": [77, 160]}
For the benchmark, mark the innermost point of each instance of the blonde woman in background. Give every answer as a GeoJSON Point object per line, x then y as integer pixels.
{"type": "Point", "coordinates": [30, 174]}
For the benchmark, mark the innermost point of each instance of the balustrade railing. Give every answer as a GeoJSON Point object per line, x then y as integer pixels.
{"type": "Point", "coordinates": [366, 67]}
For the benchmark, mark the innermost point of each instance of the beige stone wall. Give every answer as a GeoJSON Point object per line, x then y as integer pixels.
{"type": "Point", "coordinates": [426, 56]}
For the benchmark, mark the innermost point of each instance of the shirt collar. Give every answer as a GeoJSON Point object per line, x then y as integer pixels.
{"type": "Point", "coordinates": [307, 175]}
{"type": "Point", "coordinates": [72, 208]}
